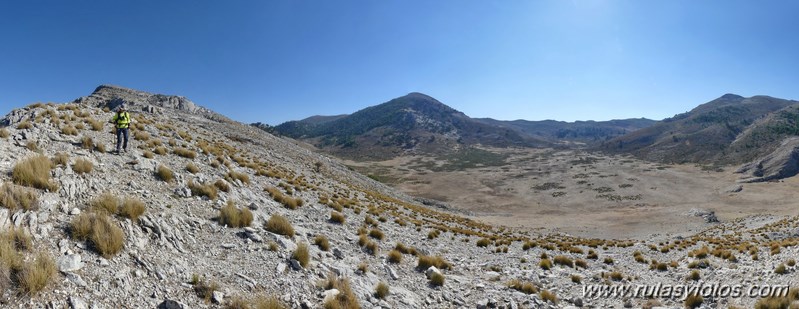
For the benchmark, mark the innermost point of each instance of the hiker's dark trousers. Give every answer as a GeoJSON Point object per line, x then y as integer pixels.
{"type": "Point", "coordinates": [122, 133]}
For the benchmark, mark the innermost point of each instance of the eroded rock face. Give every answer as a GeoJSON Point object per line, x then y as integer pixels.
{"type": "Point", "coordinates": [782, 163]}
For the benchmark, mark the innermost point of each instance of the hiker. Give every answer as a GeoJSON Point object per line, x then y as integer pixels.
{"type": "Point", "coordinates": [122, 121]}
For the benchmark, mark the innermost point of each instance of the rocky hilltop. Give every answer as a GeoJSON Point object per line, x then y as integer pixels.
{"type": "Point", "coordinates": [208, 213]}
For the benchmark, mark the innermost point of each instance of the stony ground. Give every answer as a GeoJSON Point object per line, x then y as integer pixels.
{"type": "Point", "coordinates": [179, 238]}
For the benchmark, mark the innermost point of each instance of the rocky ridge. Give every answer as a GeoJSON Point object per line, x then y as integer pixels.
{"type": "Point", "coordinates": [180, 239]}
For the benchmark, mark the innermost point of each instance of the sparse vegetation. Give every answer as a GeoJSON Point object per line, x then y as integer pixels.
{"type": "Point", "coordinates": [234, 217]}
{"type": "Point", "coordinates": [302, 255]}
{"type": "Point", "coordinates": [322, 242]}
{"type": "Point", "coordinates": [165, 174]}
{"type": "Point", "coordinates": [105, 236]}
{"type": "Point", "coordinates": [207, 190]}
{"type": "Point", "coordinates": [183, 152]}
{"type": "Point", "coordinates": [279, 225]}
{"type": "Point", "coordinates": [381, 290]}
{"type": "Point", "coordinates": [37, 274]}
{"type": "Point", "coordinates": [524, 287]}
{"type": "Point", "coordinates": [82, 166]}
{"type": "Point", "coordinates": [337, 217]}
{"type": "Point", "coordinates": [437, 279]}
{"type": "Point", "coordinates": [34, 172]}
{"type": "Point", "coordinates": [693, 301]}
{"type": "Point", "coordinates": [191, 168]}
{"type": "Point", "coordinates": [16, 197]}
{"type": "Point", "coordinates": [425, 261]}
{"type": "Point", "coordinates": [549, 296]}
{"type": "Point", "coordinates": [394, 256]}
{"type": "Point", "coordinates": [132, 208]}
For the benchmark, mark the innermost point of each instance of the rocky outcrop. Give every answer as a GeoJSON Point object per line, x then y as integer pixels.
{"type": "Point", "coordinates": [112, 96]}
{"type": "Point", "coordinates": [782, 163]}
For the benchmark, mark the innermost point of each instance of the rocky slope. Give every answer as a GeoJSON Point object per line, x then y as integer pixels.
{"type": "Point", "coordinates": [717, 132]}
{"type": "Point", "coordinates": [183, 251]}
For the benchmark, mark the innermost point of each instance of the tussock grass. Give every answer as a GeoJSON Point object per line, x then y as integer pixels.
{"type": "Point", "coordinates": [564, 261]}
{"type": "Point", "coordinates": [24, 125]}
{"type": "Point", "coordinates": [394, 257]}
{"type": "Point", "coordinates": [4, 133]}
{"type": "Point", "coordinates": [545, 264]}
{"type": "Point", "coordinates": [148, 154]}
{"type": "Point", "coordinates": [87, 143]}
{"type": "Point", "coordinates": [34, 172]}
{"type": "Point", "coordinates": [36, 275]}
{"type": "Point", "coordinates": [346, 298]}
{"type": "Point", "coordinates": [376, 234]}
{"type": "Point", "coordinates": [32, 146]}
{"type": "Point", "coordinates": [164, 173]}
{"type": "Point", "coordinates": [160, 150]}
{"type": "Point", "coordinates": [337, 217]}
{"type": "Point", "coordinates": [16, 197]}
{"type": "Point", "coordinates": [191, 168]}
{"type": "Point", "coordinates": [222, 185]}
{"type": "Point", "coordinates": [233, 175]}
{"type": "Point", "coordinates": [97, 228]}
{"type": "Point", "coordinates": [425, 261]}
{"type": "Point", "coordinates": [100, 147]}
{"type": "Point", "coordinates": [96, 125]}
{"type": "Point", "coordinates": [302, 254]}
{"type": "Point", "coordinates": [183, 152]}
{"type": "Point", "coordinates": [437, 279]}
{"type": "Point", "coordinates": [693, 301]}
{"type": "Point", "coordinates": [287, 201]}
{"type": "Point", "coordinates": [381, 290]}
{"type": "Point", "coordinates": [82, 166]}
{"type": "Point", "coordinates": [207, 190]}
{"type": "Point", "coordinates": [322, 242]}
{"type": "Point", "coordinates": [233, 217]}
{"type": "Point", "coordinates": [780, 270]}
{"type": "Point", "coordinates": [69, 130]}
{"type": "Point", "coordinates": [204, 288]}
{"type": "Point", "coordinates": [106, 203]}
{"type": "Point", "coordinates": [132, 208]}
{"type": "Point", "coordinates": [694, 275]}
{"type": "Point", "coordinates": [524, 287]}
{"type": "Point", "coordinates": [279, 225]}
{"type": "Point", "coordinates": [141, 136]}
{"type": "Point", "coordinates": [483, 242]}
{"type": "Point", "coordinates": [549, 296]}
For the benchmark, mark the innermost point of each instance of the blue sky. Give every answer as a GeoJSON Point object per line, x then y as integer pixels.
{"type": "Point", "coordinates": [274, 61]}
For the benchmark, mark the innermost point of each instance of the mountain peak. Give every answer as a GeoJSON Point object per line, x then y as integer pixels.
{"type": "Point", "coordinates": [730, 96]}
{"type": "Point", "coordinates": [112, 96]}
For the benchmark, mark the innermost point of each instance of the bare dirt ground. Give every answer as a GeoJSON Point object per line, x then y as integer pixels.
{"type": "Point", "coordinates": [584, 194]}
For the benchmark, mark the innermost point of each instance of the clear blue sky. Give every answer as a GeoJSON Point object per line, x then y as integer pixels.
{"type": "Point", "coordinates": [273, 61]}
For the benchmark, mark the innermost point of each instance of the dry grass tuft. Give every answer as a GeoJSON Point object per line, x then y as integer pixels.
{"type": "Point", "coordinates": [394, 256]}
{"type": "Point", "coordinates": [34, 172]}
{"type": "Point", "coordinates": [24, 125]}
{"type": "Point", "coordinates": [203, 288]}
{"type": "Point", "coordinates": [437, 279]}
{"type": "Point", "coordinates": [4, 133]}
{"type": "Point", "coordinates": [96, 125]}
{"type": "Point", "coordinates": [381, 290]}
{"type": "Point", "coordinates": [60, 159]}
{"type": "Point", "coordinates": [69, 130]}
{"type": "Point", "coordinates": [222, 185]}
{"type": "Point", "coordinates": [279, 225]}
{"type": "Point", "coordinates": [322, 242]}
{"type": "Point", "coordinates": [191, 168]}
{"type": "Point", "coordinates": [233, 175]}
{"type": "Point", "coordinates": [549, 296]}
{"type": "Point", "coordinates": [207, 190]}
{"type": "Point", "coordinates": [35, 275]}
{"type": "Point", "coordinates": [141, 136]}
{"type": "Point", "coordinates": [160, 150]}
{"type": "Point", "coordinates": [15, 197]}
{"type": "Point", "coordinates": [148, 154]}
{"type": "Point", "coordinates": [106, 203]}
{"type": "Point", "coordinates": [346, 298]}
{"type": "Point", "coordinates": [302, 254]}
{"type": "Point", "coordinates": [693, 301]}
{"type": "Point", "coordinates": [337, 217]}
{"type": "Point", "coordinates": [82, 166]}
{"type": "Point", "coordinates": [132, 208]}
{"type": "Point", "coordinates": [425, 261]}
{"type": "Point", "coordinates": [105, 236]}
{"type": "Point", "coordinates": [183, 152]}
{"type": "Point", "coordinates": [165, 174]}
{"type": "Point", "coordinates": [233, 217]}
{"type": "Point", "coordinates": [289, 202]}
{"type": "Point", "coordinates": [86, 142]}
{"type": "Point", "coordinates": [524, 287]}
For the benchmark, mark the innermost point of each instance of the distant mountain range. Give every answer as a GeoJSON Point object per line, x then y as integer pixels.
{"type": "Point", "coordinates": [417, 123]}
{"type": "Point", "coordinates": [729, 130]}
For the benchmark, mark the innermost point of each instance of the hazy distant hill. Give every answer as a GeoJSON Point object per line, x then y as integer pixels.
{"type": "Point", "coordinates": [412, 123]}
{"type": "Point", "coordinates": [728, 130]}
{"type": "Point", "coordinates": [578, 131]}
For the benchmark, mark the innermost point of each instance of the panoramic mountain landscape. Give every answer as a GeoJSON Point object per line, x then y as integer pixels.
{"type": "Point", "coordinates": [207, 212]}
{"type": "Point", "coordinates": [399, 154]}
